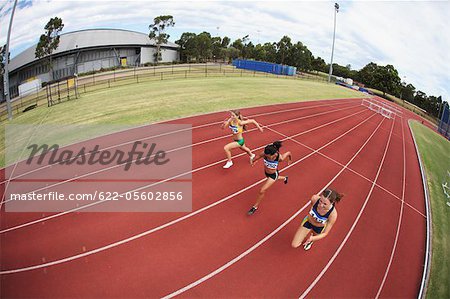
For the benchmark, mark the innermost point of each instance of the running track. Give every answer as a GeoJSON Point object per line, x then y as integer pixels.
{"type": "Point", "coordinates": [376, 248]}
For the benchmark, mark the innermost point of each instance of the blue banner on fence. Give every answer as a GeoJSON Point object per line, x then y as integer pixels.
{"type": "Point", "coordinates": [267, 67]}
{"type": "Point", "coordinates": [444, 124]}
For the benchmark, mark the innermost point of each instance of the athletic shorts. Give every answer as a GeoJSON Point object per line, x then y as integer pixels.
{"type": "Point", "coordinates": [273, 176]}
{"type": "Point", "coordinates": [316, 229]}
{"type": "Point", "coordinates": [240, 141]}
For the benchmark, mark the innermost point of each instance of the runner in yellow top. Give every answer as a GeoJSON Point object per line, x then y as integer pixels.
{"type": "Point", "coordinates": [237, 125]}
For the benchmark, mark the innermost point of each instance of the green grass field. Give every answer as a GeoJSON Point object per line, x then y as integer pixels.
{"type": "Point", "coordinates": [434, 152]}
{"type": "Point", "coordinates": [152, 101]}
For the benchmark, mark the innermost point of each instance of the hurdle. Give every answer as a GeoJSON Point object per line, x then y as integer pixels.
{"type": "Point", "coordinates": [379, 108]}
{"type": "Point", "coordinates": [387, 106]}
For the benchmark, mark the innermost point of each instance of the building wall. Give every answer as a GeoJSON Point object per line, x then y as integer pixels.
{"type": "Point", "coordinates": [169, 55]}
{"type": "Point", "coordinates": [86, 61]}
{"type": "Point", "coordinates": [147, 55]}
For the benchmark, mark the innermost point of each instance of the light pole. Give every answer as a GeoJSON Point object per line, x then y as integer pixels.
{"type": "Point", "coordinates": [336, 10]}
{"type": "Point", "coordinates": [6, 75]}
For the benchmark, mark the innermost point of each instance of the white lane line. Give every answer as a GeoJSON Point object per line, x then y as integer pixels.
{"type": "Point", "coordinates": [400, 217]}
{"type": "Point", "coordinates": [248, 251]}
{"type": "Point", "coordinates": [23, 150]}
{"type": "Point", "coordinates": [67, 259]}
{"type": "Point", "coordinates": [165, 134]}
{"type": "Point", "coordinates": [206, 141]}
{"type": "Point", "coordinates": [157, 183]}
{"type": "Point", "coordinates": [330, 262]}
{"type": "Point", "coordinates": [353, 171]}
{"type": "Point", "coordinates": [176, 149]}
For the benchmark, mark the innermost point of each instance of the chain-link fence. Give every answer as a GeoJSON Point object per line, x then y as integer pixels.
{"type": "Point", "coordinates": [71, 88]}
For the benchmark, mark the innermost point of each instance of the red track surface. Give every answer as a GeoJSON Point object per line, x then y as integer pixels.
{"type": "Point", "coordinates": [376, 248]}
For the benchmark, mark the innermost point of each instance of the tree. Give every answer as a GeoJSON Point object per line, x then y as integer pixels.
{"type": "Point", "coordinates": [270, 50]}
{"type": "Point", "coordinates": [225, 42]}
{"type": "Point", "coordinates": [232, 53]}
{"type": "Point", "coordinates": [420, 98]}
{"type": "Point", "coordinates": [204, 46]}
{"type": "Point", "coordinates": [299, 56]}
{"type": "Point", "coordinates": [367, 74]}
{"type": "Point", "coordinates": [433, 105]}
{"type": "Point", "coordinates": [408, 93]}
{"type": "Point", "coordinates": [384, 78]}
{"type": "Point", "coordinates": [248, 50]}
{"type": "Point", "coordinates": [319, 64]}
{"type": "Point", "coordinates": [238, 45]}
{"type": "Point", "coordinates": [49, 41]}
{"type": "Point", "coordinates": [282, 48]}
{"type": "Point", "coordinates": [157, 32]}
{"type": "Point", "coordinates": [217, 48]}
{"type": "Point", "coordinates": [388, 79]}
{"type": "Point", "coordinates": [259, 53]}
{"type": "Point", "coordinates": [188, 46]}
{"type": "Point", "coordinates": [341, 71]}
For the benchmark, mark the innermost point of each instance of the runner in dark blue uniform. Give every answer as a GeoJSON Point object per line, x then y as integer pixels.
{"type": "Point", "coordinates": [319, 220]}
{"type": "Point", "coordinates": [271, 157]}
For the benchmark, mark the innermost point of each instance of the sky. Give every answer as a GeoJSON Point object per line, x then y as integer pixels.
{"type": "Point", "coordinates": [413, 36]}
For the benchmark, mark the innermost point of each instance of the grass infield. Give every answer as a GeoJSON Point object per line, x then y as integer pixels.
{"type": "Point", "coordinates": [434, 152]}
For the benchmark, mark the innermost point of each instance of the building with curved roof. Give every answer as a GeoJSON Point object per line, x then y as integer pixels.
{"type": "Point", "coordinates": [88, 50]}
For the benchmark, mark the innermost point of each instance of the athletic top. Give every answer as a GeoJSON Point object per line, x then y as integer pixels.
{"type": "Point", "coordinates": [235, 128]}
{"type": "Point", "coordinates": [272, 164]}
{"type": "Point", "coordinates": [319, 218]}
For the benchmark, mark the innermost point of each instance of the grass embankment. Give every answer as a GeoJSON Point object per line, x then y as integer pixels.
{"type": "Point", "coordinates": [434, 152]}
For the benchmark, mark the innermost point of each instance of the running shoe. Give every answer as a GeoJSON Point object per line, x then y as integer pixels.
{"type": "Point", "coordinates": [252, 211]}
{"type": "Point", "coordinates": [251, 158]}
{"type": "Point", "coordinates": [286, 179]}
{"type": "Point", "coordinates": [307, 246]}
{"type": "Point", "coordinates": [228, 164]}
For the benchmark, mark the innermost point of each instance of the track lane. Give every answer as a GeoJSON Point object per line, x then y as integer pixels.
{"type": "Point", "coordinates": [110, 263]}
{"type": "Point", "coordinates": [42, 239]}
{"type": "Point", "coordinates": [198, 155]}
{"type": "Point", "coordinates": [258, 278]}
{"type": "Point", "coordinates": [408, 259]}
{"type": "Point", "coordinates": [204, 122]}
{"type": "Point", "coordinates": [183, 244]}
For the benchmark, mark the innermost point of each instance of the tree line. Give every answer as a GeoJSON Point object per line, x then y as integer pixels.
{"type": "Point", "coordinates": [204, 47]}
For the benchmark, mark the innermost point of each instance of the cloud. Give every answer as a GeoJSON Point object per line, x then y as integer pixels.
{"type": "Point", "coordinates": [409, 35]}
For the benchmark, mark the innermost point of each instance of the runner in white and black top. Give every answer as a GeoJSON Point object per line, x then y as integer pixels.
{"type": "Point", "coordinates": [271, 157]}
{"type": "Point", "coordinates": [320, 219]}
